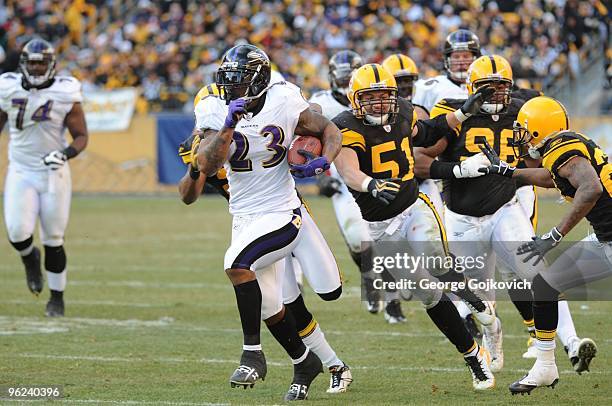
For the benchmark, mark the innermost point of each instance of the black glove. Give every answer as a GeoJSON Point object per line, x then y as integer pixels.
{"type": "Point", "coordinates": [498, 167]}
{"type": "Point", "coordinates": [328, 186]}
{"type": "Point", "coordinates": [384, 190]}
{"type": "Point", "coordinates": [474, 102]}
{"type": "Point", "coordinates": [540, 245]}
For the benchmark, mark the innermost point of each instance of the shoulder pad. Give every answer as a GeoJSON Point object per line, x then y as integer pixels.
{"type": "Point", "coordinates": [67, 89]}
{"type": "Point", "coordinates": [8, 82]}
{"type": "Point", "coordinates": [445, 106]}
{"type": "Point", "coordinates": [561, 148]}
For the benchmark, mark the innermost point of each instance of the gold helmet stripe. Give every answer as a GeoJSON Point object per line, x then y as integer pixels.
{"type": "Point", "coordinates": [493, 64]}
{"type": "Point", "coordinates": [565, 112]}
{"type": "Point", "coordinates": [376, 74]}
{"type": "Point", "coordinates": [399, 58]}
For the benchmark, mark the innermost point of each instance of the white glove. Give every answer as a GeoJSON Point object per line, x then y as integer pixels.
{"type": "Point", "coordinates": [55, 159]}
{"type": "Point", "coordinates": [469, 167]}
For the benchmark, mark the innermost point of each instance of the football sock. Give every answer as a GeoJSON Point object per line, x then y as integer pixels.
{"type": "Point", "coordinates": [447, 319]}
{"type": "Point", "coordinates": [565, 327]}
{"type": "Point", "coordinates": [545, 312]}
{"type": "Point", "coordinates": [56, 281]}
{"type": "Point", "coordinates": [465, 293]}
{"type": "Point", "coordinates": [523, 301]}
{"type": "Point", "coordinates": [311, 334]}
{"type": "Point", "coordinates": [248, 299]}
{"type": "Point", "coordinates": [286, 334]}
{"type": "Point", "coordinates": [473, 351]}
{"type": "Point", "coordinates": [356, 256]}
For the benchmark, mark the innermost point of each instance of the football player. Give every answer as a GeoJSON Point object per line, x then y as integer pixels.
{"type": "Point", "coordinates": [580, 170]}
{"type": "Point", "coordinates": [39, 106]}
{"type": "Point", "coordinates": [191, 187]}
{"type": "Point", "coordinates": [377, 165]}
{"type": "Point", "coordinates": [354, 230]}
{"type": "Point", "coordinates": [249, 137]}
{"type": "Point", "coordinates": [484, 212]}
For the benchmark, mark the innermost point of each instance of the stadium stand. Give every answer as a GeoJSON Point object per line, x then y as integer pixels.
{"type": "Point", "coordinates": [170, 48]}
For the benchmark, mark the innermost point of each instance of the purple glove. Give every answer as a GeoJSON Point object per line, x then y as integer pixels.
{"type": "Point", "coordinates": [312, 167]}
{"type": "Point", "coordinates": [237, 108]}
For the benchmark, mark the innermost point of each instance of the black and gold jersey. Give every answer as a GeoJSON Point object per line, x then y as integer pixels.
{"type": "Point", "coordinates": [486, 194]}
{"type": "Point", "coordinates": [383, 154]}
{"type": "Point", "coordinates": [558, 150]}
{"type": "Point", "coordinates": [219, 182]}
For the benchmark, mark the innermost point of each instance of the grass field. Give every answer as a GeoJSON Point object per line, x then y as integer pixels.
{"type": "Point", "coordinates": [151, 319]}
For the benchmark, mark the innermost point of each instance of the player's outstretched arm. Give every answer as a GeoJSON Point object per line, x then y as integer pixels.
{"type": "Point", "coordinates": [75, 122]}
{"type": "Point", "coordinates": [581, 174]}
{"type": "Point", "coordinates": [315, 124]}
{"type": "Point", "coordinates": [424, 157]}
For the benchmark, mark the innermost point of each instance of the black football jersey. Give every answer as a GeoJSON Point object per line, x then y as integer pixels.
{"type": "Point", "coordinates": [564, 146]}
{"type": "Point", "coordinates": [484, 195]}
{"type": "Point", "coordinates": [219, 182]}
{"type": "Point", "coordinates": [382, 155]}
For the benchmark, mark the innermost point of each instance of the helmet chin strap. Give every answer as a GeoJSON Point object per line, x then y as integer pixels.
{"type": "Point", "coordinates": [491, 108]}
{"type": "Point", "coordinates": [534, 153]}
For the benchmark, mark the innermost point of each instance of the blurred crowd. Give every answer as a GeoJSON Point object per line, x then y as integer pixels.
{"type": "Point", "coordinates": [169, 49]}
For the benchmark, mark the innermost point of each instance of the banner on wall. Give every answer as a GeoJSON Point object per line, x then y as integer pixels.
{"type": "Point", "coordinates": [109, 110]}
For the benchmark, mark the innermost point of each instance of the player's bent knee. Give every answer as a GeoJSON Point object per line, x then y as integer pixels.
{"type": "Point", "coordinates": [333, 295]}
{"type": "Point", "coordinates": [429, 298]}
{"type": "Point", "coordinates": [238, 275]}
{"type": "Point", "coordinates": [273, 317]}
{"type": "Point", "coordinates": [18, 234]}
{"type": "Point", "coordinates": [55, 259]}
{"type": "Point", "coordinates": [300, 312]}
{"type": "Point", "coordinates": [542, 291]}
{"type": "Point", "coordinates": [22, 245]}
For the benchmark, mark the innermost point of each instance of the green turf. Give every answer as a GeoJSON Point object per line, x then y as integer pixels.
{"type": "Point", "coordinates": [151, 318]}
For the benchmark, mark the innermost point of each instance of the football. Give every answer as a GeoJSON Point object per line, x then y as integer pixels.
{"type": "Point", "coordinates": [304, 142]}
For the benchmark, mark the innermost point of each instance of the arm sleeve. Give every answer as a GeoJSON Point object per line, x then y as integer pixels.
{"type": "Point", "coordinates": [431, 131]}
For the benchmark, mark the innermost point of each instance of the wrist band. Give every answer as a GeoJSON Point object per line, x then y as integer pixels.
{"type": "Point", "coordinates": [194, 173]}
{"type": "Point", "coordinates": [365, 183]}
{"type": "Point", "coordinates": [442, 170]}
{"type": "Point", "coordinates": [459, 115]}
{"type": "Point", "coordinates": [70, 152]}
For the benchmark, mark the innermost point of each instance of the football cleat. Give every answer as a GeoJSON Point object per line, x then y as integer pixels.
{"type": "Point", "coordinates": [252, 368]}
{"type": "Point", "coordinates": [34, 276]}
{"type": "Point", "coordinates": [340, 379]}
{"type": "Point", "coordinates": [485, 317]}
{"type": "Point", "coordinates": [55, 307]}
{"type": "Point", "coordinates": [472, 327]}
{"type": "Point", "coordinates": [581, 352]}
{"type": "Point", "coordinates": [532, 351]}
{"type": "Point", "coordinates": [303, 374]}
{"type": "Point", "coordinates": [493, 341]}
{"type": "Point", "coordinates": [374, 303]}
{"type": "Point", "coordinates": [393, 312]}
{"type": "Point", "coordinates": [543, 373]}
{"type": "Point", "coordinates": [482, 377]}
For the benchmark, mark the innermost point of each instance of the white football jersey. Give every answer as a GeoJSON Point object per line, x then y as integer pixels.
{"type": "Point", "coordinates": [329, 105]}
{"type": "Point", "coordinates": [430, 91]}
{"type": "Point", "coordinates": [257, 167]}
{"type": "Point", "coordinates": [36, 118]}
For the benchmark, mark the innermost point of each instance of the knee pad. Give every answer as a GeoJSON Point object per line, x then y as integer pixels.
{"type": "Point", "coordinates": [300, 313]}
{"type": "Point", "coordinates": [430, 298]}
{"type": "Point", "coordinates": [55, 259]}
{"type": "Point", "coordinates": [333, 295]}
{"type": "Point", "coordinates": [23, 245]}
{"type": "Point", "coordinates": [542, 291]}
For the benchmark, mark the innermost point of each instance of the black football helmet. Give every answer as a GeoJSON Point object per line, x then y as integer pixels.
{"type": "Point", "coordinates": [244, 73]}
{"type": "Point", "coordinates": [460, 40]}
{"type": "Point", "coordinates": [341, 67]}
{"type": "Point", "coordinates": [37, 63]}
